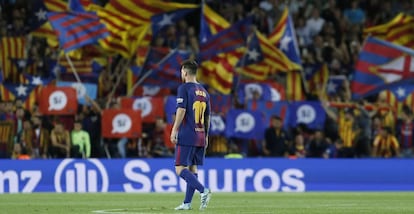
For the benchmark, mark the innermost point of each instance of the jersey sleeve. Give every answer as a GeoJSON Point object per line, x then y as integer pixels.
{"type": "Point", "coordinates": [181, 97]}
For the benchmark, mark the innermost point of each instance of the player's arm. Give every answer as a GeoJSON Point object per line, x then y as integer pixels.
{"type": "Point", "coordinates": [179, 116]}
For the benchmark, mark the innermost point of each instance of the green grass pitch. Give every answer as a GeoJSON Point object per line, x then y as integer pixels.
{"type": "Point", "coordinates": [126, 203]}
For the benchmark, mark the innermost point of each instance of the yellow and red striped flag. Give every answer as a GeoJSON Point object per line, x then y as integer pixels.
{"type": "Point", "coordinates": [11, 47]}
{"type": "Point", "coordinates": [294, 89]}
{"type": "Point", "coordinates": [217, 72]}
{"type": "Point", "coordinates": [399, 30]}
{"type": "Point", "coordinates": [129, 23]}
{"type": "Point", "coordinates": [387, 96]}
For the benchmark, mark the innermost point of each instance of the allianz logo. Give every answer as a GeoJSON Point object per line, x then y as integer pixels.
{"type": "Point", "coordinates": [81, 176]}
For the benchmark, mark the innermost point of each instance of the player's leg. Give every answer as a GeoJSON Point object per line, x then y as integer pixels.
{"type": "Point", "coordinates": [183, 160]}
{"type": "Point", "coordinates": [205, 196]}
{"type": "Point", "coordinates": [189, 193]}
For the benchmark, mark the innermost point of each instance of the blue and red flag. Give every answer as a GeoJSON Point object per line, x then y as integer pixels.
{"type": "Point", "coordinates": [77, 29]}
{"type": "Point", "coordinates": [154, 57]}
{"type": "Point", "coordinates": [227, 40]}
{"type": "Point", "coordinates": [167, 73]}
{"type": "Point", "coordinates": [80, 5]}
{"type": "Point", "coordinates": [380, 64]}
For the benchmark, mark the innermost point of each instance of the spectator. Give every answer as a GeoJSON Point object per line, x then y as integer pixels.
{"type": "Point", "coordinates": [81, 145]}
{"type": "Point", "coordinates": [18, 123]}
{"type": "Point", "coordinates": [276, 139]}
{"type": "Point", "coordinates": [60, 141]}
{"type": "Point", "coordinates": [317, 146]}
{"type": "Point", "coordinates": [363, 139]}
{"type": "Point", "coordinates": [405, 132]}
{"type": "Point", "coordinates": [355, 15]}
{"type": "Point", "coordinates": [92, 124]}
{"type": "Point", "coordinates": [42, 138]}
{"type": "Point", "coordinates": [157, 144]}
{"type": "Point", "coordinates": [233, 152]}
{"type": "Point", "coordinates": [315, 23]}
{"type": "Point", "coordinates": [347, 128]}
{"type": "Point", "coordinates": [385, 144]}
{"type": "Point", "coordinates": [28, 140]}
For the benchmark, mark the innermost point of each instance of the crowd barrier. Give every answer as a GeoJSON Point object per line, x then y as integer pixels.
{"type": "Point", "coordinates": [221, 175]}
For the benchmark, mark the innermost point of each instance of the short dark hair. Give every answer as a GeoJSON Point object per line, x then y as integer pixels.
{"type": "Point", "coordinates": [191, 66]}
{"type": "Point", "coordinates": [276, 117]}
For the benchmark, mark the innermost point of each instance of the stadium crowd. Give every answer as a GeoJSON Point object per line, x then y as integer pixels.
{"type": "Point", "coordinates": [328, 32]}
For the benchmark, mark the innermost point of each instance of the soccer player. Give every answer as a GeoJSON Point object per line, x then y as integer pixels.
{"type": "Point", "coordinates": [190, 133]}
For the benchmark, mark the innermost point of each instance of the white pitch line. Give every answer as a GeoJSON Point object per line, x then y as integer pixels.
{"type": "Point", "coordinates": [118, 211]}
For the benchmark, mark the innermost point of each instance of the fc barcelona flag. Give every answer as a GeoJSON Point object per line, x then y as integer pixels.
{"type": "Point", "coordinates": [151, 107]}
{"type": "Point", "coordinates": [58, 101]}
{"type": "Point", "coordinates": [77, 29]}
{"type": "Point", "coordinates": [118, 123]}
{"type": "Point", "coordinates": [244, 124]}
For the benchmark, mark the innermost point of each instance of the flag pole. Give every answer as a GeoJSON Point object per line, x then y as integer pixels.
{"type": "Point", "coordinates": [73, 68]}
{"type": "Point", "coordinates": [146, 75]}
{"type": "Point", "coordinates": [124, 67]}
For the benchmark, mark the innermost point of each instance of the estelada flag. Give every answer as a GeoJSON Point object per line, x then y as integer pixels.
{"type": "Point", "coordinates": [118, 123]}
{"type": "Point", "coordinates": [58, 101]}
{"type": "Point", "coordinates": [151, 107]}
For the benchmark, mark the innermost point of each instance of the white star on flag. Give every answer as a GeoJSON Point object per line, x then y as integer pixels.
{"type": "Point", "coordinates": [253, 55]}
{"type": "Point", "coordinates": [21, 63]}
{"type": "Point", "coordinates": [41, 14]}
{"type": "Point", "coordinates": [37, 81]}
{"type": "Point", "coordinates": [331, 87]}
{"type": "Point", "coordinates": [285, 42]}
{"type": "Point", "coordinates": [166, 20]}
{"type": "Point", "coordinates": [400, 92]}
{"type": "Point", "coordinates": [21, 90]}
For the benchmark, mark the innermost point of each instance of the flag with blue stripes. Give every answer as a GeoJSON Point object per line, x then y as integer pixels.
{"type": "Point", "coordinates": [168, 73]}
{"type": "Point", "coordinates": [77, 29]}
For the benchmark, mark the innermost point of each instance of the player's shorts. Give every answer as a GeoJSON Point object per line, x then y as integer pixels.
{"type": "Point", "coordinates": [189, 155]}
